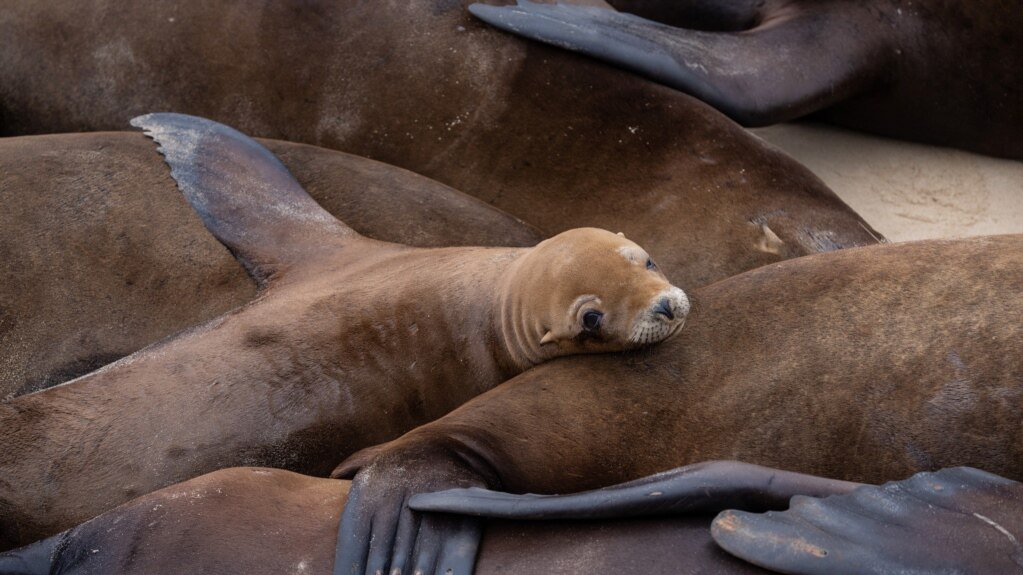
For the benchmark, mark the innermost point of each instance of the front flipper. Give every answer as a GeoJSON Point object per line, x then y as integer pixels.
{"type": "Point", "coordinates": [244, 194]}
{"type": "Point", "coordinates": [958, 520]}
{"type": "Point", "coordinates": [792, 64]}
{"type": "Point", "coordinates": [380, 534]}
{"type": "Point", "coordinates": [701, 488]}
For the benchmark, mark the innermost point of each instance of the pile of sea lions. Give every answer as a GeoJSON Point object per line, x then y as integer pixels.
{"type": "Point", "coordinates": [224, 354]}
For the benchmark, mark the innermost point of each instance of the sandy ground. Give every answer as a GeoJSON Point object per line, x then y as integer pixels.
{"type": "Point", "coordinates": [909, 191]}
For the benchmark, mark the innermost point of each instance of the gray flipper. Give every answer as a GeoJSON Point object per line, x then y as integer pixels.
{"type": "Point", "coordinates": [35, 559]}
{"type": "Point", "coordinates": [958, 520]}
{"type": "Point", "coordinates": [700, 488]}
{"type": "Point", "coordinates": [244, 194]}
{"type": "Point", "coordinates": [794, 65]}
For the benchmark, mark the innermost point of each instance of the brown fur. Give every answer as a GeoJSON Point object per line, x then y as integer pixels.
{"type": "Point", "coordinates": [350, 342]}
{"type": "Point", "coordinates": [253, 521]}
{"type": "Point", "coordinates": [864, 365]}
{"type": "Point", "coordinates": [104, 256]}
{"type": "Point", "coordinates": [549, 137]}
{"type": "Point", "coordinates": [937, 71]}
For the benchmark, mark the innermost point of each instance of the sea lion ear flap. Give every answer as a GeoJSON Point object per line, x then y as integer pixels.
{"type": "Point", "coordinates": [621, 234]}
{"type": "Point", "coordinates": [243, 193]}
{"type": "Point", "coordinates": [547, 337]}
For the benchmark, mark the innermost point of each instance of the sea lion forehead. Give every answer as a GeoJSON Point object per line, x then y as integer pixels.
{"type": "Point", "coordinates": [633, 254]}
{"type": "Point", "coordinates": [592, 239]}
{"type": "Point", "coordinates": [591, 246]}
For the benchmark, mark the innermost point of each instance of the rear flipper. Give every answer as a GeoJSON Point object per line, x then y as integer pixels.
{"type": "Point", "coordinates": [958, 520]}
{"type": "Point", "coordinates": [244, 194]}
{"type": "Point", "coordinates": [701, 488]}
{"type": "Point", "coordinates": [35, 559]}
{"type": "Point", "coordinates": [791, 64]}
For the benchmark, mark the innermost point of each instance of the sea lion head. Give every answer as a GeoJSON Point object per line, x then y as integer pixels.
{"type": "Point", "coordinates": [588, 290]}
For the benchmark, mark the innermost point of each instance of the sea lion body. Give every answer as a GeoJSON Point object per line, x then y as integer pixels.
{"type": "Point", "coordinates": [255, 520]}
{"type": "Point", "coordinates": [934, 71]}
{"type": "Point", "coordinates": [554, 140]}
{"type": "Point", "coordinates": [863, 365]}
{"type": "Point", "coordinates": [350, 342]}
{"type": "Point", "coordinates": [222, 523]}
{"type": "Point", "coordinates": [105, 256]}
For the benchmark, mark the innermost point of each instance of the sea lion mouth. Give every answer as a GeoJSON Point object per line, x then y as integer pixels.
{"type": "Point", "coordinates": [650, 332]}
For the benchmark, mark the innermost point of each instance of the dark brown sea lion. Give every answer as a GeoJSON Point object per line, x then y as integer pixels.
{"type": "Point", "coordinates": [547, 136]}
{"type": "Point", "coordinates": [935, 71]}
{"type": "Point", "coordinates": [250, 520]}
{"type": "Point", "coordinates": [863, 365]}
{"type": "Point", "coordinates": [104, 256]}
{"type": "Point", "coordinates": [350, 342]}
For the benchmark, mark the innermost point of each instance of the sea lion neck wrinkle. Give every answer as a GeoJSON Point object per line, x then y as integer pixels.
{"type": "Point", "coordinates": [518, 327]}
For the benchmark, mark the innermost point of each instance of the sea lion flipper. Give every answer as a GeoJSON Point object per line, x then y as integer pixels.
{"type": "Point", "coordinates": [33, 559]}
{"type": "Point", "coordinates": [762, 76]}
{"type": "Point", "coordinates": [379, 533]}
{"type": "Point", "coordinates": [955, 520]}
{"type": "Point", "coordinates": [699, 488]}
{"type": "Point", "coordinates": [245, 196]}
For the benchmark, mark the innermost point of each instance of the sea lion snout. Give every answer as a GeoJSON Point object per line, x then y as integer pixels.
{"type": "Point", "coordinates": [671, 305]}
{"type": "Point", "coordinates": [663, 318]}
{"type": "Point", "coordinates": [663, 307]}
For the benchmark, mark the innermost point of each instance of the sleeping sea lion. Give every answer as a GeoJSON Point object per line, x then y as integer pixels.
{"type": "Point", "coordinates": [862, 365]}
{"type": "Point", "coordinates": [934, 71]}
{"type": "Point", "coordinates": [104, 256]}
{"type": "Point", "coordinates": [250, 521]}
{"type": "Point", "coordinates": [350, 342]}
{"type": "Point", "coordinates": [254, 521]}
{"type": "Point", "coordinates": [549, 137]}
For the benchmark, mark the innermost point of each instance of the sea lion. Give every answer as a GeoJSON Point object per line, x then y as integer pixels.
{"type": "Point", "coordinates": [104, 256]}
{"type": "Point", "coordinates": [881, 66]}
{"type": "Point", "coordinates": [862, 365]}
{"type": "Point", "coordinates": [250, 520]}
{"type": "Point", "coordinates": [546, 136]}
{"type": "Point", "coordinates": [350, 342]}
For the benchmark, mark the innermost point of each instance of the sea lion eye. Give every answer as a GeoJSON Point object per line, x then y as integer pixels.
{"type": "Point", "coordinates": [591, 320]}
{"type": "Point", "coordinates": [650, 265]}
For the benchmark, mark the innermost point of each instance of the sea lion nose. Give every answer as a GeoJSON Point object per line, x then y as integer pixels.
{"type": "Point", "coordinates": [663, 307]}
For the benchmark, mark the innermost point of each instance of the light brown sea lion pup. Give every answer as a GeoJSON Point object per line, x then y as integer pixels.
{"type": "Point", "coordinates": [350, 342]}
{"type": "Point", "coordinates": [105, 256]}
{"type": "Point", "coordinates": [863, 365]}
{"type": "Point", "coordinates": [552, 138]}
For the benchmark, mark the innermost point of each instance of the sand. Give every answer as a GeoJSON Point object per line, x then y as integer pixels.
{"type": "Point", "coordinates": [909, 191]}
